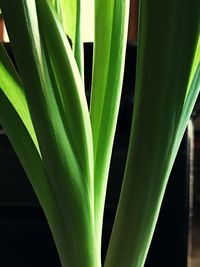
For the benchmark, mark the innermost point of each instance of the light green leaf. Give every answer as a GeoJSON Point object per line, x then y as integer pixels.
{"type": "Point", "coordinates": [77, 17]}
{"type": "Point", "coordinates": [69, 14]}
{"type": "Point", "coordinates": [66, 11]}
{"type": "Point", "coordinates": [11, 85]}
{"type": "Point", "coordinates": [111, 22]}
{"type": "Point", "coordinates": [28, 154]}
{"type": "Point", "coordinates": [71, 187]}
{"type": "Point", "coordinates": [58, 9]}
{"type": "Point", "coordinates": [70, 88]}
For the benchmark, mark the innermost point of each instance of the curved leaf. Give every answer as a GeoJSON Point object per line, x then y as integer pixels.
{"type": "Point", "coordinates": [33, 166]}
{"type": "Point", "coordinates": [66, 176]}
{"type": "Point", "coordinates": [166, 48]}
{"type": "Point", "coordinates": [10, 84]}
{"type": "Point", "coordinates": [70, 88]}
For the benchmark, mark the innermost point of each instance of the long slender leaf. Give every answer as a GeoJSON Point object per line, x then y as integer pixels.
{"type": "Point", "coordinates": [111, 22]}
{"type": "Point", "coordinates": [78, 48]}
{"type": "Point", "coordinates": [28, 154]}
{"type": "Point", "coordinates": [61, 164]}
{"type": "Point", "coordinates": [166, 48]}
{"type": "Point", "coordinates": [72, 100]}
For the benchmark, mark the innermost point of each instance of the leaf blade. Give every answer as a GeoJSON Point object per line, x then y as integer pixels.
{"type": "Point", "coordinates": [27, 153]}
{"type": "Point", "coordinates": [11, 85]}
{"type": "Point", "coordinates": [59, 161]}
{"type": "Point", "coordinates": [111, 23]}
{"type": "Point", "coordinates": [164, 63]}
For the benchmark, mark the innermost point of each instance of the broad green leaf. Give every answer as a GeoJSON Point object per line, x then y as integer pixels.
{"type": "Point", "coordinates": [33, 166]}
{"type": "Point", "coordinates": [71, 187]}
{"type": "Point", "coordinates": [111, 22]}
{"type": "Point", "coordinates": [163, 104]}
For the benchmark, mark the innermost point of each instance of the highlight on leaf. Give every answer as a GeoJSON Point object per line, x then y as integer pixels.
{"type": "Point", "coordinates": [65, 147]}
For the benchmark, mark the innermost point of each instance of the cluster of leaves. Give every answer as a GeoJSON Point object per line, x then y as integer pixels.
{"type": "Point", "coordinates": [65, 147]}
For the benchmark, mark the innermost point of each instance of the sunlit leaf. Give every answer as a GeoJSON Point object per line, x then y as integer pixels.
{"type": "Point", "coordinates": [111, 22]}
{"type": "Point", "coordinates": [62, 165]}
{"type": "Point", "coordinates": [11, 85]}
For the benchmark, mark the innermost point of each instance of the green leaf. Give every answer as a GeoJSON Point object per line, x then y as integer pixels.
{"type": "Point", "coordinates": [72, 186]}
{"type": "Point", "coordinates": [78, 46]}
{"type": "Point", "coordinates": [66, 11]}
{"type": "Point", "coordinates": [70, 14]}
{"type": "Point", "coordinates": [11, 85]}
{"type": "Point", "coordinates": [70, 87]}
{"type": "Point", "coordinates": [70, 10]}
{"type": "Point", "coordinates": [28, 154]}
{"type": "Point", "coordinates": [58, 9]}
{"type": "Point", "coordinates": [163, 104]}
{"type": "Point", "coordinates": [111, 22]}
